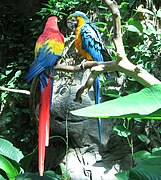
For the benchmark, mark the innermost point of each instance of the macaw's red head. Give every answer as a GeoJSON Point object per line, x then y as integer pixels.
{"type": "Point", "coordinates": [52, 20]}
{"type": "Point", "coordinates": [51, 24]}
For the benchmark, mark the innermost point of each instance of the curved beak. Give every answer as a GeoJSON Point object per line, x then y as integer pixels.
{"type": "Point", "coordinates": [72, 21]}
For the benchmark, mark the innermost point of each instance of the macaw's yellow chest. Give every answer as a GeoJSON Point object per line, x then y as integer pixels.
{"type": "Point", "coordinates": [78, 45]}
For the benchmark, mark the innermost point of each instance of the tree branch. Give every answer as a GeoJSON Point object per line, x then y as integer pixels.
{"type": "Point", "coordinates": [122, 64]}
{"type": "Point", "coordinates": [15, 90]}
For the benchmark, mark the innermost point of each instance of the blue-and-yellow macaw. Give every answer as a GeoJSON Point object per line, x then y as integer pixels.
{"type": "Point", "coordinates": [48, 49]}
{"type": "Point", "coordinates": [89, 44]}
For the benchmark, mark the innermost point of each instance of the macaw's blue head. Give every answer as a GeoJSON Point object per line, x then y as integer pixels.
{"type": "Point", "coordinates": [80, 17]}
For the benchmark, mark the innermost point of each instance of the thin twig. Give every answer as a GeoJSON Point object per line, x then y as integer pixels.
{"type": "Point", "coordinates": [15, 90]}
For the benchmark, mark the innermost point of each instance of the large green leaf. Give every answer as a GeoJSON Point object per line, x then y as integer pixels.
{"type": "Point", "coordinates": [144, 104]}
{"type": "Point", "coordinates": [132, 28]}
{"type": "Point", "coordinates": [122, 175]}
{"type": "Point", "coordinates": [148, 168]}
{"type": "Point", "coordinates": [141, 154]}
{"type": "Point", "coordinates": [137, 25]}
{"type": "Point", "coordinates": [8, 167]}
{"type": "Point", "coordinates": [7, 149]}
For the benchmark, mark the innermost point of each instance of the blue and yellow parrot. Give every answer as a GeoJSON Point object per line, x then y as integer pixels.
{"type": "Point", "coordinates": [48, 49]}
{"type": "Point", "coordinates": [89, 44]}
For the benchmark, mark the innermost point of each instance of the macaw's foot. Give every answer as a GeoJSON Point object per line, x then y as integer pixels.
{"type": "Point", "coordinates": [82, 64]}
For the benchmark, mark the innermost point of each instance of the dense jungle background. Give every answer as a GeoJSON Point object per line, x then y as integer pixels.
{"type": "Point", "coordinates": [21, 22]}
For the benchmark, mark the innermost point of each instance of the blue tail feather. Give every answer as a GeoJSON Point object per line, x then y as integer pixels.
{"type": "Point", "coordinates": [97, 101]}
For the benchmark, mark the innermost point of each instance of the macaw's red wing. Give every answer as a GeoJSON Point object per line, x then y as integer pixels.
{"type": "Point", "coordinates": [49, 48]}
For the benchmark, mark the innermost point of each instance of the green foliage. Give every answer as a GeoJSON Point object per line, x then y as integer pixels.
{"type": "Point", "coordinates": [142, 39]}
{"type": "Point", "coordinates": [11, 169]}
{"type": "Point", "coordinates": [148, 167]}
{"type": "Point", "coordinates": [58, 8]}
{"type": "Point", "coordinates": [14, 164]}
{"type": "Point", "coordinates": [10, 157]}
{"type": "Point", "coordinates": [121, 130]}
{"type": "Point", "coordinates": [141, 155]}
{"type": "Point", "coordinates": [7, 149]}
{"type": "Point", "coordinates": [16, 53]}
{"type": "Point", "coordinates": [64, 7]}
{"type": "Point", "coordinates": [144, 104]}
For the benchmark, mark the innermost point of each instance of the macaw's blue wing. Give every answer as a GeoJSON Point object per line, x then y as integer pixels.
{"type": "Point", "coordinates": [92, 43]}
{"type": "Point", "coordinates": [44, 58]}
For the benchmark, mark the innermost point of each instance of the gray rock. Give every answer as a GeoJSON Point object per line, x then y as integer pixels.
{"type": "Point", "coordinates": [83, 159]}
{"type": "Point", "coordinates": [82, 130]}
{"type": "Point", "coordinates": [82, 164]}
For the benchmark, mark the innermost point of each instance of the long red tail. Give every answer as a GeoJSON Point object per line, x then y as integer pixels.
{"type": "Point", "coordinates": [44, 125]}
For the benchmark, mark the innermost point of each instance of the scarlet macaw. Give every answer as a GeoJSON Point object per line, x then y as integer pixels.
{"type": "Point", "coordinates": [89, 44]}
{"type": "Point", "coordinates": [48, 49]}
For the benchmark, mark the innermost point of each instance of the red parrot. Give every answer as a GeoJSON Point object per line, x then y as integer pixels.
{"type": "Point", "coordinates": [48, 49]}
{"type": "Point", "coordinates": [89, 44]}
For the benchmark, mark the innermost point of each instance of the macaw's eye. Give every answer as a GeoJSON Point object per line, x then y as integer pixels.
{"type": "Point", "coordinates": [72, 23]}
